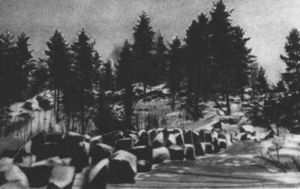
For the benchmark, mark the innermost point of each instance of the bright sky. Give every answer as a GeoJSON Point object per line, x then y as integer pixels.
{"type": "Point", "coordinates": [110, 22]}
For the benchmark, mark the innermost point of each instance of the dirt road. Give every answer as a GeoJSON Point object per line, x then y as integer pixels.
{"type": "Point", "coordinates": [237, 167]}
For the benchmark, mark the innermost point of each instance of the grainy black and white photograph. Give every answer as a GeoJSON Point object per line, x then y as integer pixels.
{"type": "Point", "coordinates": [140, 94]}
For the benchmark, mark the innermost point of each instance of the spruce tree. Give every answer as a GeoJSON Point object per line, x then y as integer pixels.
{"type": "Point", "coordinates": [160, 59]}
{"type": "Point", "coordinates": [220, 26]}
{"type": "Point", "coordinates": [10, 70]}
{"type": "Point", "coordinates": [40, 77]}
{"type": "Point", "coordinates": [174, 74]}
{"type": "Point", "coordinates": [84, 74]}
{"type": "Point", "coordinates": [26, 65]}
{"type": "Point", "coordinates": [108, 77]}
{"type": "Point", "coordinates": [280, 86]}
{"type": "Point", "coordinates": [98, 72]}
{"type": "Point", "coordinates": [291, 78]}
{"type": "Point", "coordinates": [261, 83]}
{"type": "Point", "coordinates": [229, 52]}
{"type": "Point", "coordinates": [242, 59]}
{"type": "Point", "coordinates": [143, 36]}
{"type": "Point", "coordinates": [58, 60]}
{"type": "Point", "coordinates": [125, 79]}
{"type": "Point", "coordinates": [198, 52]}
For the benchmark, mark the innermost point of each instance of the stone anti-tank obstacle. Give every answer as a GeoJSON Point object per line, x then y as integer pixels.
{"type": "Point", "coordinates": [75, 151]}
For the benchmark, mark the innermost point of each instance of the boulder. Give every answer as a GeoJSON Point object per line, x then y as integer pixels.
{"type": "Point", "coordinates": [209, 148]}
{"type": "Point", "coordinates": [216, 146]}
{"type": "Point", "coordinates": [49, 162]}
{"type": "Point", "coordinates": [222, 143]}
{"type": "Point", "coordinates": [144, 165]}
{"type": "Point", "coordinates": [160, 154]}
{"type": "Point", "coordinates": [142, 152]}
{"type": "Point", "coordinates": [12, 173]}
{"type": "Point", "coordinates": [176, 152]}
{"type": "Point", "coordinates": [143, 139]}
{"type": "Point", "coordinates": [158, 141]}
{"type": "Point", "coordinates": [34, 145]}
{"type": "Point", "coordinates": [179, 136]}
{"type": "Point", "coordinates": [151, 135]}
{"type": "Point", "coordinates": [202, 135]}
{"type": "Point", "coordinates": [54, 138]}
{"type": "Point", "coordinates": [189, 151]}
{"type": "Point", "coordinates": [208, 137]}
{"type": "Point", "coordinates": [49, 150]}
{"type": "Point", "coordinates": [97, 176]}
{"type": "Point", "coordinates": [123, 144]}
{"type": "Point", "coordinates": [199, 150]}
{"type": "Point", "coordinates": [191, 137]}
{"type": "Point", "coordinates": [95, 140]}
{"type": "Point", "coordinates": [171, 140]}
{"type": "Point", "coordinates": [62, 177]}
{"type": "Point", "coordinates": [38, 176]}
{"type": "Point", "coordinates": [100, 152]}
{"type": "Point", "coordinates": [112, 137]}
{"type": "Point", "coordinates": [122, 167]}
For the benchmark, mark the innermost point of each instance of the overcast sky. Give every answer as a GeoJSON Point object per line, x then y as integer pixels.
{"type": "Point", "coordinates": [110, 22]}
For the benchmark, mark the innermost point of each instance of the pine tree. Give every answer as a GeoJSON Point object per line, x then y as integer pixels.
{"type": "Point", "coordinates": [125, 79]}
{"type": "Point", "coordinates": [58, 62]}
{"type": "Point", "coordinates": [174, 74]}
{"type": "Point", "coordinates": [143, 36]}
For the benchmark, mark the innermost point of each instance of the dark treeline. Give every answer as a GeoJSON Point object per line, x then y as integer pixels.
{"type": "Point", "coordinates": [282, 105]}
{"type": "Point", "coordinates": [212, 60]}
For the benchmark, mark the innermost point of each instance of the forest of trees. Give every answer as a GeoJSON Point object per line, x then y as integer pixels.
{"type": "Point", "coordinates": [212, 60]}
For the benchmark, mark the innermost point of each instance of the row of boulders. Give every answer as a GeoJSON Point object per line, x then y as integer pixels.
{"type": "Point", "coordinates": [53, 160]}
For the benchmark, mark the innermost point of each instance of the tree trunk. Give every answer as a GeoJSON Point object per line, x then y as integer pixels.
{"type": "Point", "coordinates": [242, 95]}
{"type": "Point", "coordinates": [68, 120]}
{"type": "Point", "coordinates": [228, 104]}
{"type": "Point", "coordinates": [57, 106]}
{"type": "Point", "coordinates": [144, 85]}
{"type": "Point", "coordinates": [55, 103]}
{"type": "Point", "coordinates": [277, 127]}
{"type": "Point", "coordinates": [173, 102]}
{"type": "Point", "coordinates": [82, 122]}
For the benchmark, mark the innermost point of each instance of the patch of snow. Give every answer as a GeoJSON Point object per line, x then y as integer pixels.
{"type": "Point", "coordinates": [288, 178]}
{"type": "Point", "coordinates": [248, 128]}
{"type": "Point", "coordinates": [173, 114]}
